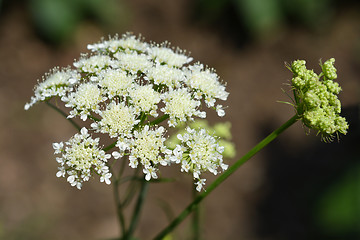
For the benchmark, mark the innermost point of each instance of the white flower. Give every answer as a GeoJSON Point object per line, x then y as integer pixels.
{"type": "Point", "coordinates": [116, 82]}
{"type": "Point", "coordinates": [145, 99]}
{"type": "Point", "coordinates": [199, 184]}
{"type": "Point", "coordinates": [166, 75]}
{"type": "Point", "coordinates": [199, 152]}
{"type": "Point", "coordinates": [180, 106]}
{"type": "Point", "coordinates": [82, 156]}
{"type": "Point", "coordinates": [61, 172]}
{"type": "Point", "coordinates": [121, 87]}
{"type": "Point", "coordinates": [117, 120]}
{"type": "Point", "coordinates": [133, 62]}
{"type": "Point", "coordinates": [168, 56]}
{"type": "Point", "coordinates": [116, 155]}
{"type": "Point", "coordinates": [148, 146]}
{"type": "Point", "coordinates": [106, 177]}
{"type": "Point", "coordinates": [93, 64]}
{"type": "Point", "coordinates": [133, 162]}
{"type": "Point", "coordinates": [207, 81]}
{"type": "Point", "coordinates": [85, 100]}
{"type": "Point", "coordinates": [56, 83]}
{"type": "Point", "coordinates": [58, 147]}
{"type": "Point", "coordinates": [150, 172]}
{"type": "Point", "coordinates": [220, 110]}
{"type": "Point", "coordinates": [127, 42]}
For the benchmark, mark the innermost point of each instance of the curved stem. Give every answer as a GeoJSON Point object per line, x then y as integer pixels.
{"type": "Point", "coordinates": [64, 114]}
{"type": "Point", "coordinates": [191, 207]}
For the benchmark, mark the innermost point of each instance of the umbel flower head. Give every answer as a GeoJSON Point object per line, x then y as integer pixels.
{"type": "Point", "coordinates": [316, 98]}
{"type": "Point", "coordinates": [126, 88]}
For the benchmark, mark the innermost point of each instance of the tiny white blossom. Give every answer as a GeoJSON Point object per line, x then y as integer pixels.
{"type": "Point", "coordinates": [220, 110]}
{"type": "Point", "coordinates": [58, 147]}
{"type": "Point", "coordinates": [200, 184]}
{"type": "Point", "coordinates": [150, 172]}
{"type": "Point", "coordinates": [106, 178]}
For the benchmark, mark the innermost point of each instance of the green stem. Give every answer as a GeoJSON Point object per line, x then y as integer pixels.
{"type": "Point", "coordinates": [196, 218]}
{"type": "Point", "coordinates": [119, 208]}
{"type": "Point", "coordinates": [137, 209]}
{"type": "Point", "coordinates": [160, 119]}
{"type": "Point", "coordinates": [64, 114]}
{"type": "Point", "coordinates": [224, 176]}
{"type": "Point", "coordinates": [107, 148]}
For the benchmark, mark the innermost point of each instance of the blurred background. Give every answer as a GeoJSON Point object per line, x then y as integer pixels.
{"type": "Point", "coordinates": [297, 188]}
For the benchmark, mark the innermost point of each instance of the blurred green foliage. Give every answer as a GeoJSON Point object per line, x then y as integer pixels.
{"type": "Point", "coordinates": [57, 20]}
{"type": "Point", "coordinates": [261, 18]}
{"type": "Point", "coordinates": [338, 210]}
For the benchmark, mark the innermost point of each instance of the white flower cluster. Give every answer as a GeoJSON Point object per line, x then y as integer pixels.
{"type": "Point", "coordinates": [127, 87]}
{"type": "Point", "coordinates": [81, 156]}
{"type": "Point", "coordinates": [199, 152]}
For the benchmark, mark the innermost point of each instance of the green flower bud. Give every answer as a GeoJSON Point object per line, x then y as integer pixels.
{"type": "Point", "coordinates": [329, 70]}
{"type": "Point", "coordinates": [316, 100]}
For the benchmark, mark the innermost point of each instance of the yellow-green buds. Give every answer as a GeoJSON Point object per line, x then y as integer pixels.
{"type": "Point", "coordinates": [316, 98]}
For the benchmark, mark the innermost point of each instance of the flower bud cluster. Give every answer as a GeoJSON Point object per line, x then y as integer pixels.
{"type": "Point", "coordinates": [126, 87]}
{"type": "Point", "coordinates": [316, 98]}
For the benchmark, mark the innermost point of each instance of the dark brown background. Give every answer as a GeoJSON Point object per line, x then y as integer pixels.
{"type": "Point", "coordinates": [34, 204]}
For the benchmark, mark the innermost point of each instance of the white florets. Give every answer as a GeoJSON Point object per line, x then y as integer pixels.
{"type": "Point", "coordinates": [85, 100]}
{"type": "Point", "coordinates": [80, 158]}
{"type": "Point", "coordinates": [169, 76]}
{"type": "Point", "coordinates": [199, 152]}
{"type": "Point", "coordinates": [116, 120]}
{"type": "Point", "coordinates": [56, 83]}
{"type": "Point", "coordinates": [133, 62]}
{"type": "Point", "coordinates": [181, 106]}
{"type": "Point", "coordinates": [145, 99]}
{"type": "Point", "coordinates": [207, 82]}
{"type": "Point", "coordinates": [165, 55]}
{"type": "Point", "coordinates": [93, 64]}
{"type": "Point", "coordinates": [148, 148]}
{"type": "Point", "coordinates": [120, 88]}
{"type": "Point", "coordinates": [115, 82]}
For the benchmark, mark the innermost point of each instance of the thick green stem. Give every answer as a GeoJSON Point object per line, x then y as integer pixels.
{"type": "Point", "coordinates": [137, 210]}
{"type": "Point", "coordinates": [64, 114]}
{"type": "Point", "coordinates": [224, 176]}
